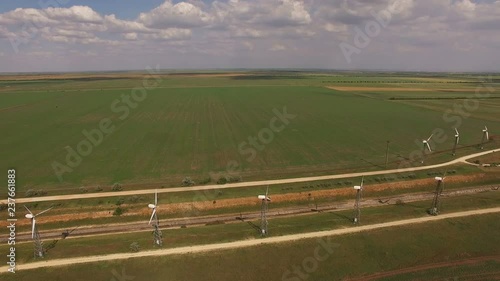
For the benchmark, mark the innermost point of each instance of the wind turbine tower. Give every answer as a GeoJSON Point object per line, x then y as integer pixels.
{"type": "Point", "coordinates": [486, 137]}
{"type": "Point", "coordinates": [265, 199]}
{"type": "Point", "coordinates": [157, 235]}
{"type": "Point", "coordinates": [357, 210]}
{"type": "Point", "coordinates": [439, 189]}
{"type": "Point", "coordinates": [457, 139]}
{"type": "Point", "coordinates": [427, 146]}
{"type": "Point", "coordinates": [38, 250]}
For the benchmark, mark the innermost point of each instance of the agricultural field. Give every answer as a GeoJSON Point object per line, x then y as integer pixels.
{"type": "Point", "coordinates": [203, 125]}
{"type": "Point", "coordinates": [249, 126]}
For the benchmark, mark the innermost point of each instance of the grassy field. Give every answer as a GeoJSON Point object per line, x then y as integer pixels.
{"type": "Point", "coordinates": [194, 126]}
{"type": "Point", "coordinates": [355, 255]}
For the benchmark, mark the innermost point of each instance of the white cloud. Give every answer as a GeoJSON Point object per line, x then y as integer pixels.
{"type": "Point", "coordinates": [180, 15]}
{"type": "Point", "coordinates": [276, 13]}
{"type": "Point", "coordinates": [114, 24]}
{"type": "Point", "coordinates": [335, 27]}
{"type": "Point", "coordinates": [170, 34]}
{"type": "Point", "coordinates": [74, 14]}
{"type": "Point", "coordinates": [277, 47]}
{"type": "Point", "coordinates": [130, 36]}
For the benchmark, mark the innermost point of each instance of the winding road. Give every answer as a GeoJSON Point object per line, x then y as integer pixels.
{"type": "Point", "coordinates": [249, 184]}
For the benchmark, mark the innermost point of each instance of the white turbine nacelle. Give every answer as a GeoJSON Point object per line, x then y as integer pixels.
{"type": "Point", "coordinates": [438, 178]}
{"type": "Point", "coordinates": [426, 143]}
{"type": "Point", "coordinates": [29, 216]}
{"type": "Point", "coordinates": [357, 187]}
{"type": "Point", "coordinates": [263, 197]}
{"type": "Point", "coordinates": [151, 206]}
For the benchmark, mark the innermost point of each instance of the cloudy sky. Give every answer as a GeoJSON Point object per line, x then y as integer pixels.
{"type": "Point", "coordinates": [422, 35]}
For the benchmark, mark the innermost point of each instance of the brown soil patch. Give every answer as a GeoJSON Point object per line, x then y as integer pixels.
{"type": "Point", "coordinates": [373, 89]}
{"type": "Point", "coordinates": [472, 261]}
{"type": "Point", "coordinates": [190, 208]}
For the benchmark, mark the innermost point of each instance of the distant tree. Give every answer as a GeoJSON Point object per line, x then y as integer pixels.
{"type": "Point", "coordinates": [117, 187]}
{"type": "Point", "coordinates": [30, 193]}
{"type": "Point", "coordinates": [120, 201]}
{"type": "Point", "coordinates": [135, 247]}
{"type": "Point", "coordinates": [187, 181]}
{"type": "Point", "coordinates": [222, 180]}
{"type": "Point", "coordinates": [118, 211]}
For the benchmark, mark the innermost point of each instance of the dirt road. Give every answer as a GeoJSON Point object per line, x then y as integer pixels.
{"type": "Point", "coordinates": [248, 184]}
{"type": "Point", "coordinates": [246, 243]}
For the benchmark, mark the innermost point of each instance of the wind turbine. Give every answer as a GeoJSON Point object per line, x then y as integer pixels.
{"type": "Point", "coordinates": [426, 146]}
{"type": "Point", "coordinates": [439, 189]}
{"type": "Point", "coordinates": [157, 235]}
{"type": "Point", "coordinates": [38, 250]}
{"type": "Point", "coordinates": [357, 210]}
{"type": "Point", "coordinates": [486, 137]}
{"type": "Point", "coordinates": [457, 139]}
{"type": "Point", "coordinates": [265, 199]}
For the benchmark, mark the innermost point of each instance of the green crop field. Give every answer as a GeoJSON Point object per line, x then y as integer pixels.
{"type": "Point", "coordinates": [200, 126]}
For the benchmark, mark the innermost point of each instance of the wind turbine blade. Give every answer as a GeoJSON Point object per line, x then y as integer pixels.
{"type": "Point", "coordinates": [267, 191]}
{"type": "Point", "coordinates": [456, 131]}
{"type": "Point", "coordinates": [28, 209]}
{"type": "Point", "coordinates": [428, 146]}
{"type": "Point", "coordinates": [362, 180]}
{"type": "Point", "coordinates": [487, 136]}
{"type": "Point", "coordinates": [430, 137]}
{"type": "Point", "coordinates": [152, 215]}
{"type": "Point", "coordinates": [44, 211]}
{"type": "Point", "coordinates": [33, 228]}
{"type": "Point", "coordinates": [156, 197]}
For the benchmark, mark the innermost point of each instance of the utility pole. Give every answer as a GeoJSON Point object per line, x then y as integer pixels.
{"type": "Point", "coordinates": [387, 154]}
{"type": "Point", "coordinates": [263, 212]}
{"type": "Point", "coordinates": [357, 210]}
{"type": "Point", "coordinates": [435, 202]}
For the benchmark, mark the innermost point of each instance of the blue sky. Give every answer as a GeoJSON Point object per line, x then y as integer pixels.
{"type": "Point", "coordinates": [424, 35]}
